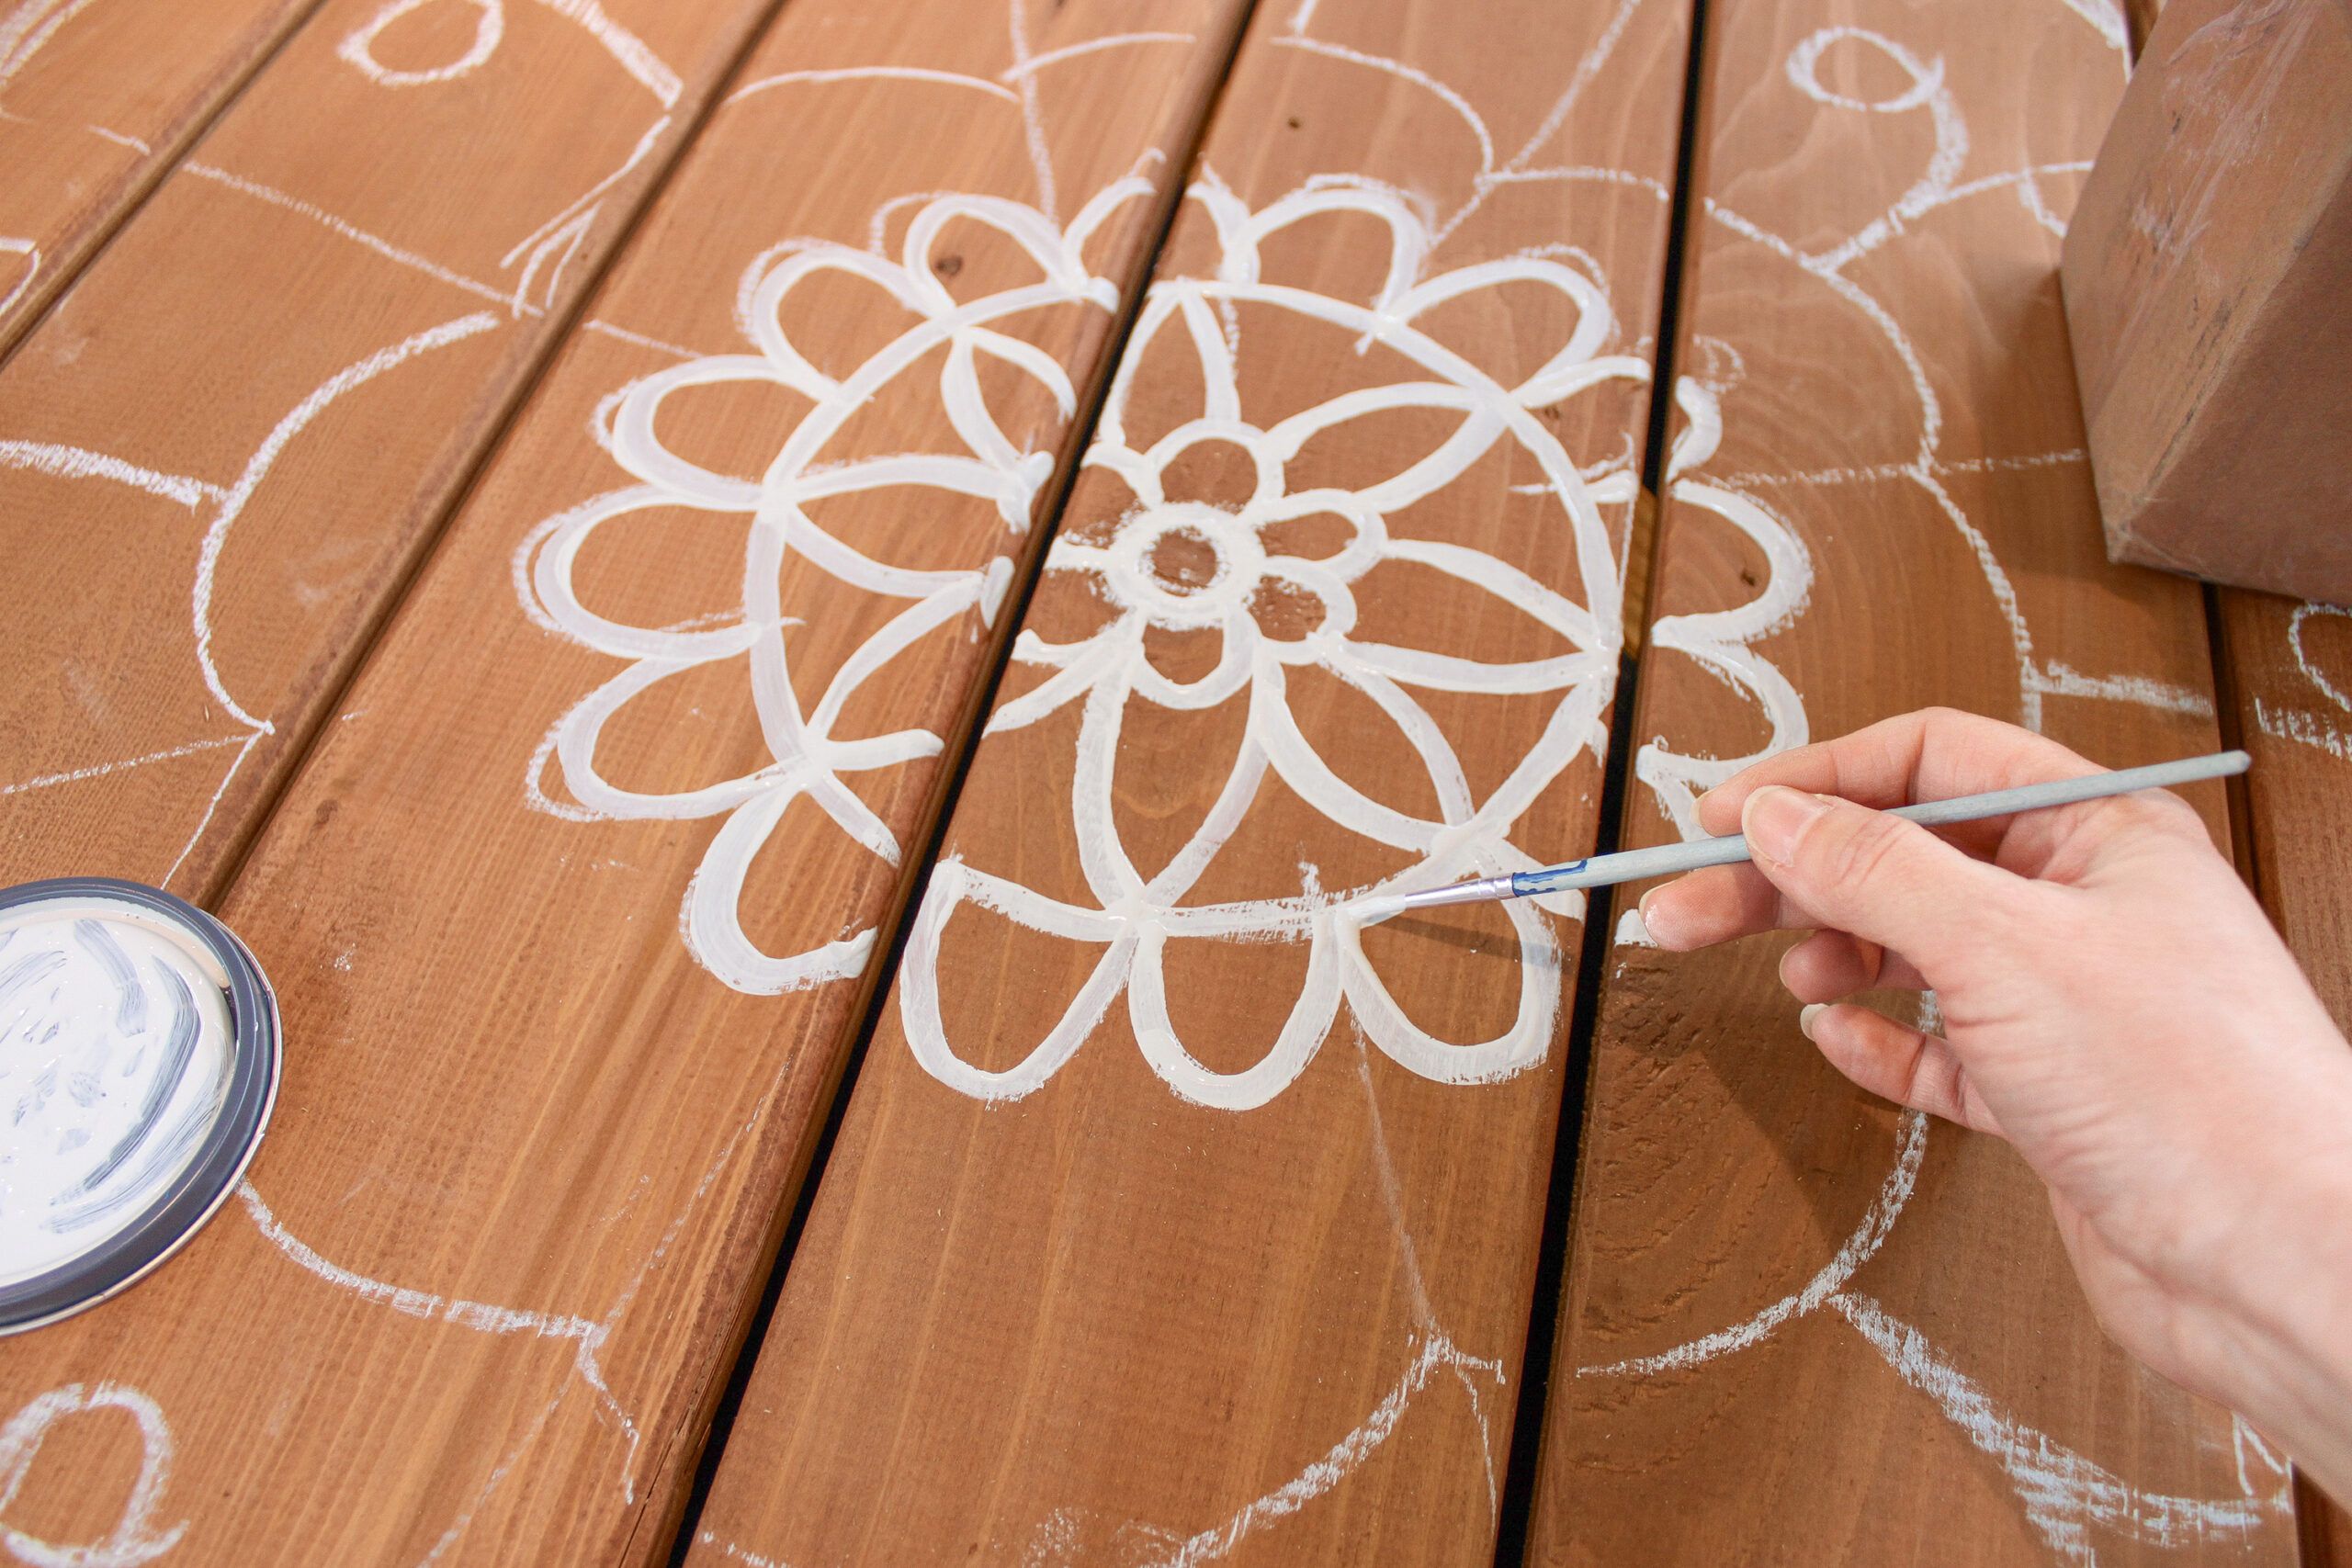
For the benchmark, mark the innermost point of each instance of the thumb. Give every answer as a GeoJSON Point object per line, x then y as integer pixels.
{"type": "Point", "coordinates": [1883, 878]}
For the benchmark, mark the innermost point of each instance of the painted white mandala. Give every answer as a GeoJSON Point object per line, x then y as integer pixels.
{"type": "Point", "coordinates": [806, 758]}
{"type": "Point", "coordinates": [1235, 563]}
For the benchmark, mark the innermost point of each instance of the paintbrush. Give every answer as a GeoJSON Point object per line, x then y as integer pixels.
{"type": "Point", "coordinates": [1668, 859]}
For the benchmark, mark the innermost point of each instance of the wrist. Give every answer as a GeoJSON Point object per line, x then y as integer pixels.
{"type": "Point", "coordinates": [2287, 1288]}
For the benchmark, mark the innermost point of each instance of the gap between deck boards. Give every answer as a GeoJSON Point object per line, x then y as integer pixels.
{"type": "Point", "coordinates": [965, 739]}
{"type": "Point", "coordinates": [405, 573]}
{"type": "Point", "coordinates": [1524, 1464]}
{"type": "Point", "coordinates": [163, 165]}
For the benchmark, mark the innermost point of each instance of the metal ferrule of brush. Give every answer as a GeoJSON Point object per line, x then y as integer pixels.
{"type": "Point", "coordinates": [1485, 888]}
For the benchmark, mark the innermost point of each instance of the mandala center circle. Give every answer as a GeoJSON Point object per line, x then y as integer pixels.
{"type": "Point", "coordinates": [1184, 560]}
{"type": "Point", "coordinates": [1187, 564]}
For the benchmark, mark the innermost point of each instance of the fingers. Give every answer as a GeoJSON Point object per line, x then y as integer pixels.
{"type": "Point", "coordinates": [1933, 754]}
{"type": "Point", "coordinates": [1715, 905]}
{"type": "Point", "coordinates": [1885, 880]}
{"type": "Point", "coordinates": [1907, 1065]}
{"type": "Point", "coordinates": [1829, 965]}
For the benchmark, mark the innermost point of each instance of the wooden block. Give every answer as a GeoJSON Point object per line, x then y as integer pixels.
{"type": "Point", "coordinates": [2209, 294]}
{"type": "Point", "coordinates": [95, 105]}
{"type": "Point", "coordinates": [1163, 1227]}
{"type": "Point", "coordinates": [532, 1152]}
{"type": "Point", "coordinates": [224, 448]}
{"type": "Point", "coordinates": [1799, 1326]}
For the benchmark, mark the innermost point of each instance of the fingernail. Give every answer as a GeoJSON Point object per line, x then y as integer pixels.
{"type": "Point", "coordinates": [1649, 922]}
{"type": "Point", "coordinates": [1775, 817]}
{"type": "Point", "coordinates": [1806, 1014]}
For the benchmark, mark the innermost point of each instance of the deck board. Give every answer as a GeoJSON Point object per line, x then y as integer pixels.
{"type": "Point", "coordinates": [1799, 1326]}
{"type": "Point", "coordinates": [2291, 670]}
{"type": "Point", "coordinates": [98, 100]}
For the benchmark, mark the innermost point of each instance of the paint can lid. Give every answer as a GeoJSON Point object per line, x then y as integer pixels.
{"type": "Point", "coordinates": [139, 1063]}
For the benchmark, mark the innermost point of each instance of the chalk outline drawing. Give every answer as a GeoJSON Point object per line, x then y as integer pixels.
{"type": "Point", "coordinates": [136, 1537]}
{"type": "Point", "coordinates": [1136, 917]}
{"type": "Point", "coordinates": [551, 245]}
{"type": "Point", "coordinates": [67, 461]}
{"type": "Point", "coordinates": [2063, 1493]}
{"type": "Point", "coordinates": [2080, 1491]}
{"type": "Point", "coordinates": [2318, 729]}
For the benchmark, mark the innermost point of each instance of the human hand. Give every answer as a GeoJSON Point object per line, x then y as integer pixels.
{"type": "Point", "coordinates": [2115, 1005]}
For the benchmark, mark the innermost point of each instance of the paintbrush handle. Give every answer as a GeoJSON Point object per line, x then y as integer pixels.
{"type": "Point", "coordinates": [1668, 859]}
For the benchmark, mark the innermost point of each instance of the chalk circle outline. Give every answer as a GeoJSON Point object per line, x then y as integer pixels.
{"type": "Point", "coordinates": [182, 1208]}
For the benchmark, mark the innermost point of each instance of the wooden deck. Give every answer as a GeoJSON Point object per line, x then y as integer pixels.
{"type": "Point", "coordinates": [780, 621]}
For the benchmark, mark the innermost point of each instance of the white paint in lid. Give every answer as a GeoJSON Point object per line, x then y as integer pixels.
{"type": "Point", "coordinates": [116, 1044]}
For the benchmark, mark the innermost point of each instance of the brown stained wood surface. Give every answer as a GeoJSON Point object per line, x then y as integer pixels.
{"type": "Point", "coordinates": [1248, 1281]}
{"type": "Point", "coordinates": [1798, 1327]}
{"type": "Point", "coordinates": [97, 99]}
{"type": "Point", "coordinates": [529, 1159]}
{"type": "Point", "coordinates": [2291, 667]}
{"type": "Point", "coordinates": [221, 450]}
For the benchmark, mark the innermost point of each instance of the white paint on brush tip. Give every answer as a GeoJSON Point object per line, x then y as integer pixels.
{"type": "Point", "coordinates": [136, 1538]}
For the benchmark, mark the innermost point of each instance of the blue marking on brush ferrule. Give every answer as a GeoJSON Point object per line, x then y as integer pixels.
{"type": "Point", "coordinates": [1526, 883]}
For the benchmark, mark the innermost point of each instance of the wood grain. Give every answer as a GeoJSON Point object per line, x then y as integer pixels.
{"type": "Point", "coordinates": [2204, 280]}
{"type": "Point", "coordinates": [530, 1157]}
{"type": "Point", "coordinates": [1247, 1279]}
{"type": "Point", "coordinates": [1798, 1327]}
{"type": "Point", "coordinates": [98, 100]}
{"type": "Point", "coordinates": [225, 446]}
{"type": "Point", "coordinates": [2291, 675]}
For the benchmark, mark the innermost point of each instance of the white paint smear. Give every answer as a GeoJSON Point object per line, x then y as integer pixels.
{"type": "Point", "coordinates": [25, 270]}
{"type": "Point", "coordinates": [116, 1045]}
